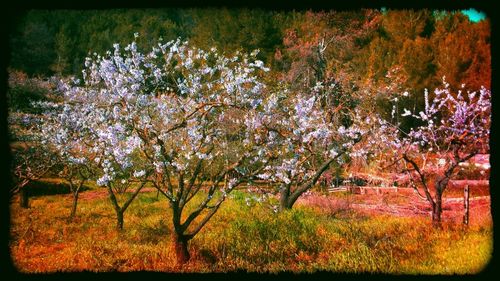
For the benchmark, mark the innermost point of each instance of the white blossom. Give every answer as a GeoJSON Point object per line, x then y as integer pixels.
{"type": "Point", "coordinates": [139, 174]}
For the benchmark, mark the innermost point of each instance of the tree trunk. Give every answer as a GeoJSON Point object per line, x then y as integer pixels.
{"type": "Point", "coordinates": [437, 210]}
{"type": "Point", "coordinates": [24, 198]}
{"type": "Point", "coordinates": [73, 208]}
{"type": "Point", "coordinates": [291, 201]}
{"type": "Point", "coordinates": [285, 198]}
{"type": "Point", "coordinates": [288, 198]}
{"type": "Point", "coordinates": [181, 248]}
{"type": "Point", "coordinates": [119, 211]}
{"type": "Point", "coordinates": [119, 220]}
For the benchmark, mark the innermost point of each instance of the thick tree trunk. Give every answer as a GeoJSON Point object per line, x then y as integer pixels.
{"type": "Point", "coordinates": [180, 241]}
{"type": "Point", "coordinates": [285, 198]}
{"type": "Point", "coordinates": [73, 208]}
{"type": "Point", "coordinates": [119, 221]}
{"type": "Point", "coordinates": [291, 201]}
{"type": "Point", "coordinates": [24, 200]}
{"type": "Point", "coordinates": [181, 248]}
{"type": "Point", "coordinates": [437, 210]}
{"type": "Point", "coordinates": [288, 198]}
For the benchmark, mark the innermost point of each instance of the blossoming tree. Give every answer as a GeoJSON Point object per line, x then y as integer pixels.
{"type": "Point", "coordinates": [62, 133]}
{"type": "Point", "coordinates": [452, 128]}
{"type": "Point", "coordinates": [30, 161]}
{"type": "Point", "coordinates": [305, 134]}
{"type": "Point", "coordinates": [173, 117]}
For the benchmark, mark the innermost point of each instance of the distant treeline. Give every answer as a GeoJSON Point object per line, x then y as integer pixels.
{"type": "Point", "coordinates": [366, 48]}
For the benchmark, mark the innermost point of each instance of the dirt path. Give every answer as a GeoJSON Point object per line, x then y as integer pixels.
{"type": "Point", "coordinates": [396, 204]}
{"type": "Point", "coordinates": [103, 193]}
{"type": "Point", "coordinates": [402, 205]}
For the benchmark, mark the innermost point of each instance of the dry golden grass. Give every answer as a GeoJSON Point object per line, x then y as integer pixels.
{"type": "Point", "coordinates": [252, 238]}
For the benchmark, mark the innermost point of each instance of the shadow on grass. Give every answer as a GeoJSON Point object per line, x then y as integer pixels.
{"type": "Point", "coordinates": [42, 188]}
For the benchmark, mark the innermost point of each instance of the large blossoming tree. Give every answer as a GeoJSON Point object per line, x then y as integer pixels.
{"type": "Point", "coordinates": [173, 117]}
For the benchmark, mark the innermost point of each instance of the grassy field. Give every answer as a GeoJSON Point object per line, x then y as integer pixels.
{"type": "Point", "coordinates": [252, 238]}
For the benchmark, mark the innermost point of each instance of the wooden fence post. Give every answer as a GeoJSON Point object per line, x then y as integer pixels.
{"type": "Point", "coordinates": [466, 205]}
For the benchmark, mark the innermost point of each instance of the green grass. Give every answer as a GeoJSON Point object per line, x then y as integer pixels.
{"type": "Point", "coordinates": [251, 238]}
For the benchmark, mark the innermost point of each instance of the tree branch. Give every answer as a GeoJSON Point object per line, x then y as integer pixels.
{"type": "Point", "coordinates": [315, 178]}
{"type": "Point", "coordinates": [422, 178]}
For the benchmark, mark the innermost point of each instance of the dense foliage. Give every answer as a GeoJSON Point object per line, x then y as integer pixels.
{"type": "Point", "coordinates": [362, 45]}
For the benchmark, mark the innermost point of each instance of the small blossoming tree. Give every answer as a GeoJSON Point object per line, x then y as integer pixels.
{"type": "Point", "coordinates": [452, 128]}
{"type": "Point", "coordinates": [63, 134]}
{"type": "Point", "coordinates": [30, 161]}
{"type": "Point", "coordinates": [174, 117]}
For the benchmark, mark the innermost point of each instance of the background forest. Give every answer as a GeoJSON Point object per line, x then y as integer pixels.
{"type": "Point", "coordinates": [420, 47]}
